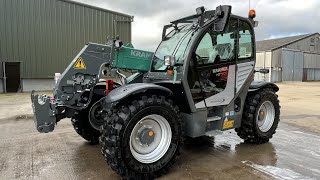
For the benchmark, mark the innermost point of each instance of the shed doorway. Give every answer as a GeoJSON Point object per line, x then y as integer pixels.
{"type": "Point", "coordinates": [12, 78]}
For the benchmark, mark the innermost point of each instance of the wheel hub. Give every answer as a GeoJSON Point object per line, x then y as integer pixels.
{"type": "Point", "coordinates": [96, 116]}
{"type": "Point", "coordinates": [261, 115]}
{"type": "Point", "coordinates": [146, 136]}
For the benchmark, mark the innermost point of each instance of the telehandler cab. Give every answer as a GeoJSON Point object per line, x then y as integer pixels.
{"type": "Point", "coordinates": [199, 82]}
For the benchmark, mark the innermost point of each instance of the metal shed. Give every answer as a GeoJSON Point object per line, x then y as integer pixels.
{"type": "Point", "coordinates": [311, 71]}
{"type": "Point", "coordinates": [289, 58]}
{"type": "Point", "coordinates": [40, 37]}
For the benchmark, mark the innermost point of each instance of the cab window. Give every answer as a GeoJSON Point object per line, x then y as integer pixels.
{"type": "Point", "coordinates": [217, 47]}
{"type": "Point", "coordinates": [245, 41]}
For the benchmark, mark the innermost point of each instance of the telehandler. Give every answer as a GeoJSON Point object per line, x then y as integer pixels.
{"type": "Point", "coordinates": [199, 82]}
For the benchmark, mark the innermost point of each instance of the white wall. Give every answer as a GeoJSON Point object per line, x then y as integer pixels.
{"type": "Point", "coordinates": [263, 61]}
{"type": "Point", "coordinates": [37, 84]}
{"type": "Point", "coordinates": [260, 56]}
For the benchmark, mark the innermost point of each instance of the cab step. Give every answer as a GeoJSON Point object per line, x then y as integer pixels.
{"type": "Point", "coordinates": [213, 133]}
{"type": "Point", "coordinates": [213, 118]}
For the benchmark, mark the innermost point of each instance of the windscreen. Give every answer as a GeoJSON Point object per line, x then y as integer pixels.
{"type": "Point", "coordinates": [175, 43]}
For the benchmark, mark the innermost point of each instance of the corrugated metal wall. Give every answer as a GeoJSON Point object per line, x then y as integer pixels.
{"type": "Point", "coordinates": [288, 65]}
{"type": "Point", "coordinates": [45, 35]}
{"type": "Point", "coordinates": [311, 67]}
{"type": "Point", "coordinates": [294, 62]}
{"type": "Point", "coordinates": [311, 74]}
{"type": "Point", "coordinates": [310, 44]}
{"type": "Point", "coordinates": [311, 60]}
{"type": "Point", "coordinates": [276, 73]}
{"type": "Point", "coordinates": [292, 65]}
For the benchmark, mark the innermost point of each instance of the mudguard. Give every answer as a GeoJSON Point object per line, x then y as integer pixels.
{"type": "Point", "coordinates": [131, 89]}
{"type": "Point", "coordinates": [256, 85]}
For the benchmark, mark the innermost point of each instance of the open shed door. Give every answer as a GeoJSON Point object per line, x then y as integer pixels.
{"type": "Point", "coordinates": [11, 72]}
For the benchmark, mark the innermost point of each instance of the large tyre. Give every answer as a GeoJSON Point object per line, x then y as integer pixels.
{"type": "Point", "coordinates": [81, 123]}
{"type": "Point", "coordinates": [141, 140]}
{"type": "Point", "coordinates": [83, 127]}
{"type": "Point", "coordinates": [260, 117]}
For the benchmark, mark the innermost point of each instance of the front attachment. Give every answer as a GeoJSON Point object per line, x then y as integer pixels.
{"type": "Point", "coordinates": [44, 112]}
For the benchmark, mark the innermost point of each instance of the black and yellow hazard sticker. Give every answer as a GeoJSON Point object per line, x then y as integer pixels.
{"type": "Point", "coordinates": [228, 124]}
{"type": "Point", "coordinates": [79, 64]}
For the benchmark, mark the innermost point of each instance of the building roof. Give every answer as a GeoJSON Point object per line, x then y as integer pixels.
{"type": "Point", "coordinates": [272, 44]}
{"type": "Point", "coordinates": [95, 7]}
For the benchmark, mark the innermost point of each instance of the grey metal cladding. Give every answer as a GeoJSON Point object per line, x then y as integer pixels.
{"type": "Point", "coordinates": [317, 74]}
{"type": "Point", "coordinates": [292, 65]}
{"type": "Point", "coordinates": [272, 44]}
{"type": "Point", "coordinates": [298, 66]}
{"type": "Point", "coordinates": [243, 72]}
{"type": "Point", "coordinates": [311, 60]}
{"type": "Point", "coordinates": [45, 35]}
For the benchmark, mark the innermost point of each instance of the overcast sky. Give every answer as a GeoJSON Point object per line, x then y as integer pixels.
{"type": "Point", "coordinates": [277, 18]}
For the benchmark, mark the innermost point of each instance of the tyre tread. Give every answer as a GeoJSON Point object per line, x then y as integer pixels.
{"type": "Point", "coordinates": [247, 130]}
{"type": "Point", "coordinates": [113, 128]}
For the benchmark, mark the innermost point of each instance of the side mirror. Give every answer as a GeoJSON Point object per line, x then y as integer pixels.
{"type": "Point", "coordinates": [169, 60]}
{"type": "Point", "coordinates": [263, 71]}
{"type": "Point", "coordinates": [223, 15]}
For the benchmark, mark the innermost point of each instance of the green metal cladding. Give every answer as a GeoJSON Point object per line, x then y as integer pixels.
{"type": "Point", "coordinates": [45, 35]}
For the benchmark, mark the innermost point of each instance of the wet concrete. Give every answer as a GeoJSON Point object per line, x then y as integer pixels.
{"type": "Point", "coordinates": [293, 153]}
{"type": "Point", "coordinates": [25, 154]}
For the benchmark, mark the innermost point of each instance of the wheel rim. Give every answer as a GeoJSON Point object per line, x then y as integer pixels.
{"type": "Point", "coordinates": [96, 118]}
{"type": "Point", "coordinates": [265, 116]}
{"type": "Point", "coordinates": [150, 139]}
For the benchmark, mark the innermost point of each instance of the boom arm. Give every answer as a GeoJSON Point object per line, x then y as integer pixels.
{"type": "Point", "coordinates": [74, 90]}
{"type": "Point", "coordinates": [83, 73]}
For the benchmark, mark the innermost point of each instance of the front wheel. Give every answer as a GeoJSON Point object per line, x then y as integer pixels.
{"type": "Point", "coordinates": [141, 140]}
{"type": "Point", "coordinates": [260, 117]}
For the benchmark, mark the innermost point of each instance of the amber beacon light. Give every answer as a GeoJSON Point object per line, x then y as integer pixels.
{"type": "Point", "coordinates": [252, 14]}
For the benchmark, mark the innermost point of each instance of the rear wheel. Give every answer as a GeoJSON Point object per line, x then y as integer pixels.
{"type": "Point", "coordinates": [82, 126]}
{"type": "Point", "coordinates": [141, 140]}
{"type": "Point", "coordinates": [260, 117]}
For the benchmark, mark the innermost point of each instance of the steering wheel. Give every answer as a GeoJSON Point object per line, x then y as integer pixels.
{"type": "Point", "coordinates": [199, 59]}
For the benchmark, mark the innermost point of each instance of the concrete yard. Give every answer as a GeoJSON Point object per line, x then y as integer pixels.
{"type": "Point", "coordinates": [293, 153]}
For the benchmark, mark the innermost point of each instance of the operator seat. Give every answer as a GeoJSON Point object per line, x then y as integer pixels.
{"type": "Point", "coordinates": [213, 55]}
{"type": "Point", "coordinates": [192, 73]}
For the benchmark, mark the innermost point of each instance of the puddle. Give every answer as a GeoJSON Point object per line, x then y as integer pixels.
{"type": "Point", "coordinates": [278, 173]}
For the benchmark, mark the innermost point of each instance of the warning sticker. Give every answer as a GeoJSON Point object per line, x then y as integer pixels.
{"type": "Point", "coordinates": [228, 124]}
{"type": "Point", "coordinates": [79, 64]}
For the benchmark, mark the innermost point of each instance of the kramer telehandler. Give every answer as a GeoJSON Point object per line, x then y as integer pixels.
{"type": "Point", "coordinates": [198, 83]}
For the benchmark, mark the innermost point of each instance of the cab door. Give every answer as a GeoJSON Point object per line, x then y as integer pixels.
{"type": "Point", "coordinates": [246, 55]}
{"type": "Point", "coordinates": [212, 71]}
